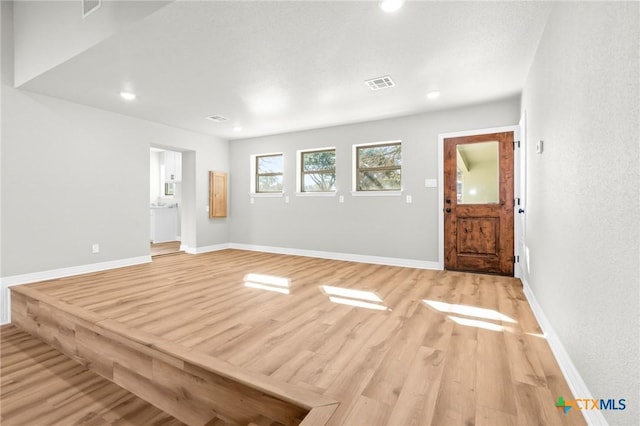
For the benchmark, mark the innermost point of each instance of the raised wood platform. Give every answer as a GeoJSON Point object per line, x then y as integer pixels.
{"type": "Point", "coordinates": [193, 387]}
{"type": "Point", "coordinates": [42, 386]}
{"type": "Point", "coordinates": [406, 347]}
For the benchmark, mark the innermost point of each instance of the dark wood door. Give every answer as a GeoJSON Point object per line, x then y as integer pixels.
{"type": "Point", "coordinates": [478, 203]}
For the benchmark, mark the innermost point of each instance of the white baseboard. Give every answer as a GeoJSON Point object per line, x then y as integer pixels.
{"type": "Point", "coordinates": [569, 370]}
{"type": "Point", "coordinates": [377, 260]}
{"type": "Point", "coordinates": [206, 249]}
{"type": "Point", "coordinates": [6, 282]}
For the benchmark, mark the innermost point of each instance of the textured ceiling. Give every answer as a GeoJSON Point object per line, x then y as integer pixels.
{"type": "Point", "coordinates": [274, 67]}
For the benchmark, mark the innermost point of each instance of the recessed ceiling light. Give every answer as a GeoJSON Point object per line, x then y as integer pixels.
{"type": "Point", "coordinates": [391, 5]}
{"type": "Point", "coordinates": [433, 95]}
{"type": "Point", "coordinates": [237, 128]}
{"type": "Point", "coordinates": [128, 96]}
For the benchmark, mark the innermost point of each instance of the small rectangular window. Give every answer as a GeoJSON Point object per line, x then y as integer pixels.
{"type": "Point", "coordinates": [379, 167]}
{"type": "Point", "coordinates": [318, 171]}
{"type": "Point", "coordinates": [269, 173]}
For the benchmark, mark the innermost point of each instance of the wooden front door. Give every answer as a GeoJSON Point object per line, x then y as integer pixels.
{"type": "Point", "coordinates": [478, 203]}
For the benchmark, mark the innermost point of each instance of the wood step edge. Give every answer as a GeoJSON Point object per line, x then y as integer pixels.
{"type": "Point", "coordinates": [123, 334]}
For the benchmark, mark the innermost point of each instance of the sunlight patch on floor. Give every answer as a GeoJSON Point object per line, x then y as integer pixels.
{"type": "Point", "coordinates": [357, 298]}
{"type": "Point", "coordinates": [268, 282]}
{"type": "Point", "coordinates": [477, 323]}
{"type": "Point", "coordinates": [469, 311]}
{"type": "Point", "coordinates": [351, 293]}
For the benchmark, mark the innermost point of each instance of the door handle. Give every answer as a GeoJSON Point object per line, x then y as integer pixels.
{"type": "Point", "coordinates": [448, 210]}
{"type": "Point", "coordinates": [520, 211]}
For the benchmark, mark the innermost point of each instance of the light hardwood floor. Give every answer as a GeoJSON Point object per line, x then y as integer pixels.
{"type": "Point", "coordinates": [161, 249]}
{"type": "Point", "coordinates": [440, 348]}
{"type": "Point", "coordinates": [41, 386]}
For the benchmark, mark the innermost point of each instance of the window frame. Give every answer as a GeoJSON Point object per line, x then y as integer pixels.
{"type": "Point", "coordinates": [301, 172]}
{"type": "Point", "coordinates": [357, 169]}
{"type": "Point", "coordinates": [257, 174]}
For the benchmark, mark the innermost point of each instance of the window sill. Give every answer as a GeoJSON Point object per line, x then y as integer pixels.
{"type": "Point", "coordinates": [376, 193]}
{"type": "Point", "coordinates": [316, 194]}
{"type": "Point", "coordinates": [266, 194]}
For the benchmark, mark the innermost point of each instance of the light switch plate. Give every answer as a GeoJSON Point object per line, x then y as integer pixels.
{"type": "Point", "coordinates": [431, 183]}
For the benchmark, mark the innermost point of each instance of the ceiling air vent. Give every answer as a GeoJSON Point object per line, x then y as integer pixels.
{"type": "Point", "coordinates": [380, 82]}
{"type": "Point", "coordinates": [218, 118]}
{"type": "Point", "coordinates": [89, 6]}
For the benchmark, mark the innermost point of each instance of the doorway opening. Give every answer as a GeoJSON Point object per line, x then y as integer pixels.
{"type": "Point", "coordinates": [165, 201]}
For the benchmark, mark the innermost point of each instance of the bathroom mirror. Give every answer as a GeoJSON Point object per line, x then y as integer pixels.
{"type": "Point", "coordinates": [169, 189]}
{"type": "Point", "coordinates": [478, 173]}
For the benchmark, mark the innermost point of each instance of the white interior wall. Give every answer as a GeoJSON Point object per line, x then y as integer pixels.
{"type": "Point", "coordinates": [583, 207]}
{"type": "Point", "coordinates": [6, 77]}
{"type": "Point", "coordinates": [154, 177]}
{"type": "Point", "coordinates": [383, 226]}
{"type": "Point", "coordinates": [51, 32]}
{"type": "Point", "coordinates": [81, 176]}
{"type": "Point", "coordinates": [189, 226]}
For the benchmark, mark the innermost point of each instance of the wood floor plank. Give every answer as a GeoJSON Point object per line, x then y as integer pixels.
{"type": "Point", "coordinates": [417, 400]}
{"type": "Point", "coordinates": [556, 384]}
{"type": "Point", "coordinates": [458, 380]}
{"type": "Point", "coordinates": [534, 408]}
{"type": "Point", "coordinates": [367, 411]}
{"type": "Point", "coordinates": [388, 381]}
{"type": "Point", "coordinates": [524, 363]}
{"type": "Point", "coordinates": [491, 417]}
{"type": "Point", "coordinates": [441, 347]}
{"type": "Point", "coordinates": [494, 384]}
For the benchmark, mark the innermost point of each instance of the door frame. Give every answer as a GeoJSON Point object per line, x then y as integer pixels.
{"type": "Point", "coordinates": [520, 269]}
{"type": "Point", "coordinates": [441, 137]}
{"type": "Point", "coordinates": [188, 196]}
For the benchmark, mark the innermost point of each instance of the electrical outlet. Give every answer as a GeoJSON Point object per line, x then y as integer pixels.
{"type": "Point", "coordinates": [341, 199]}
{"type": "Point", "coordinates": [252, 201]}
{"type": "Point", "coordinates": [409, 199]}
{"type": "Point", "coordinates": [95, 248]}
{"type": "Point", "coordinates": [286, 199]}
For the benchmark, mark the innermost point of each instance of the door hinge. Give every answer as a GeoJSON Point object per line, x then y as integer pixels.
{"type": "Point", "coordinates": [516, 144]}
{"type": "Point", "coordinates": [516, 259]}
